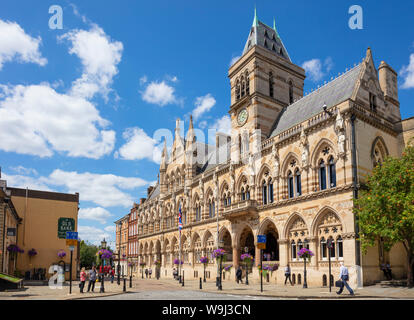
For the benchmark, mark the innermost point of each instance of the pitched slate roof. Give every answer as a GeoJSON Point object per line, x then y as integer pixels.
{"type": "Point", "coordinates": [331, 94]}
{"type": "Point", "coordinates": [155, 193]}
{"type": "Point", "coordinates": [265, 37]}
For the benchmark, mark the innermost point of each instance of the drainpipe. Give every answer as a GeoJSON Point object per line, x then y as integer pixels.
{"type": "Point", "coordinates": [4, 239]}
{"type": "Point", "coordinates": [355, 196]}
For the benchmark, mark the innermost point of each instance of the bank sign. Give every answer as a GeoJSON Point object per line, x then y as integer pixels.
{"type": "Point", "coordinates": [65, 225]}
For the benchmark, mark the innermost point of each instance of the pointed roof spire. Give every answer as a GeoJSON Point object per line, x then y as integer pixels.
{"type": "Point", "coordinates": [255, 20]}
{"type": "Point", "coordinates": [274, 27]}
{"type": "Point", "coordinates": [191, 127]}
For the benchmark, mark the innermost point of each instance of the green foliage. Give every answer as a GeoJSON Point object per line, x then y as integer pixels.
{"type": "Point", "coordinates": [87, 254]}
{"type": "Point", "coordinates": [386, 208]}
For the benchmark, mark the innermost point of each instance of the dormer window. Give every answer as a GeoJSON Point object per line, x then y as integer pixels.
{"type": "Point", "coordinates": [271, 93]}
{"type": "Point", "coordinates": [372, 102]}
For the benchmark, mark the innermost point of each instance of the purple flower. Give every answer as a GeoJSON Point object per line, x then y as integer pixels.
{"type": "Point", "coordinates": [105, 254]}
{"type": "Point", "coordinates": [176, 261]}
{"type": "Point", "coordinates": [219, 253]}
{"type": "Point", "coordinates": [14, 248]}
{"type": "Point", "coordinates": [204, 260]}
{"type": "Point", "coordinates": [32, 252]}
{"type": "Point", "coordinates": [228, 268]}
{"type": "Point", "coordinates": [246, 257]}
{"type": "Point", "coordinates": [305, 253]}
{"type": "Point", "coordinates": [61, 254]}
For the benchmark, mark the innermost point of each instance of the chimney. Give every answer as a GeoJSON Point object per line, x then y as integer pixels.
{"type": "Point", "coordinates": [149, 190]}
{"type": "Point", "coordinates": [141, 201]}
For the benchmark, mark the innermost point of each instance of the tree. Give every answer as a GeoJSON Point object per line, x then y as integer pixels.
{"type": "Point", "coordinates": [385, 208]}
{"type": "Point", "coordinates": [87, 254]}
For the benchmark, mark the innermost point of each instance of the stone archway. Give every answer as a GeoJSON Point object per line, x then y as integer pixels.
{"type": "Point", "coordinates": [271, 253]}
{"type": "Point", "coordinates": [247, 241]}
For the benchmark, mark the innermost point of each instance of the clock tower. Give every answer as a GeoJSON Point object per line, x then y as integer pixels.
{"type": "Point", "coordinates": [263, 82]}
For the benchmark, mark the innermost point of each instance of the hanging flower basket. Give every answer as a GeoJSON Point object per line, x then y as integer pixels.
{"type": "Point", "coordinates": [219, 254]}
{"type": "Point", "coordinates": [14, 248]}
{"type": "Point", "coordinates": [142, 264]}
{"type": "Point", "coordinates": [105, 254]}
{"type": "Point", "coordinates": [228, 268]}
{"type": "Point", "coordinates": [177, 262]}
{"type": "Point", "coordinates": [204, 260]}
{"type": "Point", "coordinates": [131, 264]}
{"type": "Point", "coordinates": [247, 258]}
{"type": "Point", "coordinates": [61, 254]}
{"type": "Point", "coordinates": [305, 253]}
{"type": "Point", "coordinates": [32, 252]}
{"type": "Point", "coordinates": [157, 263]}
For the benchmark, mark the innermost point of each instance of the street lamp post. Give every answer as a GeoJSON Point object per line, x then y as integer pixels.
{"type": "Point", "coordinates": [119, 267]}
{"type": "Point", "coordinates": [246, 250]}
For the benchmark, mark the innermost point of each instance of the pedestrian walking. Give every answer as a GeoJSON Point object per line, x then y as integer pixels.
{"type": "Point", "coordinates": [287, 274]}
{"type": "Point", "coordinates": [239, 275]}
{"type": "Point", "coordinates": [344, 277]}
{"type": "Point", "coordinates": [92, 279]}
{"type": "Point", "coordinates": [82, 280]}
{"type": "Point", "coordinates": [146, 273]}
{"type": "Point", "coordinates": [150, 272]}
{"type": "Point", "coordinates": [175, 274]}
{"type": "Point", "coordinates": [112, 274]}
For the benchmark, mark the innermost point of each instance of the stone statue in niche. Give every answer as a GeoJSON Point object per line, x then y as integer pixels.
{"type": "Point", "coordinates": [305, 151]}
{"type": "Point", "coordinates": [341, 143]}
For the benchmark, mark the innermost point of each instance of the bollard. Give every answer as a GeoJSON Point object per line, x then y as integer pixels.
{"type": "Point", "coordinates": [130, 281]}
{"type": "Point", "coordinates": [124, 289]}
{"type": "Point", "coordinates": [102, 290]}
{"type": "Point", "coordinates": [182, 283]}
{"type": "Point", "coordinates": [201, 284]}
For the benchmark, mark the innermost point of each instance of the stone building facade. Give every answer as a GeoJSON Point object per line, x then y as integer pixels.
{"type": "Point", "coordinates": [289, 170]}
{"type": "Point", "coordinates": [122, 233]}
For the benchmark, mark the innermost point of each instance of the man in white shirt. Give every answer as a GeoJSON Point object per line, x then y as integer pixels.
{"type": "Point", "coordinates": [344, 277]}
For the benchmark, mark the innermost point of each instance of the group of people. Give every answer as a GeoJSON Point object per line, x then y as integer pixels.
{"type": "Point", "coordinates": [148, 273]}
{"type": "Point", "coordinates": [343, 277]}
{"type": "Point", "coordinates": [92, 275]}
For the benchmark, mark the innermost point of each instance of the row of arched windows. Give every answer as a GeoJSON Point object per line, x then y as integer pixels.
{"type": "Point", "coordinates": [243, 86]}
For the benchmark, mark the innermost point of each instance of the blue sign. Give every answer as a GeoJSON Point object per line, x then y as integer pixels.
{"type": "Point", "coordinates": [261, 239]}
{"type": "Point", "coordinates": [70, 235]}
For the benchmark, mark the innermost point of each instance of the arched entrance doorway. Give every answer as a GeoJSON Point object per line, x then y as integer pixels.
{"type": "Point", "coordinates": [271, 253]}
{"type": "Point", "coordinates": [247, 242]}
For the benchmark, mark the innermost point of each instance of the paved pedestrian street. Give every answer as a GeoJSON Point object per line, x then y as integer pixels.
{"type": "Point", "coordinates": [168, 289]}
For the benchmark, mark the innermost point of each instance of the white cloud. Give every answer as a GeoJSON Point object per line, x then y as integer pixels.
{"type": "Point", "coordinates": [159, 93]}
{"type": "Point", "coordinates": [203, 104]}
{"type": "Point", "coordinates": [140, 146]}
{"type": "Point", "coordinates": [143, 80]}
{"type": "Point", "coordinates": [233, 60]}
{"type": "Point", "coordinates": [37, 120]}
{"type": "Point", "coordinates": [16, 44]}
{"type": "Point", "coordinates": [102, 189]}
{"type": "Point", "coordinates": [99, 56]}
{"type": "Point", "coordinates": [316, 69]}
{"type": "Point", "coordinates": [407, 72]}
{"type": "Point", "coordinates": [95, 235]}
{"type": "Point", "coordinates": [23, 170]}
{"type": "Point", "coordinates": [222, 125]}
{"type": "Point", "coordinates": [98, 214]}
{"type": "Point", "coordinates": [111, 229]}
{"type": "Point", "coordinates": [22, 181]}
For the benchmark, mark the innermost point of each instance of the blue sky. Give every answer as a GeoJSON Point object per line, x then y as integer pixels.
{"type": "Point", "coordinates": [79, 106]}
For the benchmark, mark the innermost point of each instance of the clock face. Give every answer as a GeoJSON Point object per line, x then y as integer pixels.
{"type": "Point", "coordinates": [242, 117]}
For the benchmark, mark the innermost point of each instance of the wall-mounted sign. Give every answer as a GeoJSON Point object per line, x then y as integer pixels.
{"type": "Point", "coordinates": [11, 232]}
{"type": "Point", "coordinates": [65, 225]}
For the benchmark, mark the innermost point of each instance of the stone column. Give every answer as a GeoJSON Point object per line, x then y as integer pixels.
{"type": "Point", "coordinates": [313, 246]}
{"type": "Point", "coordinates": [283, 252]}
{"type": "Point", "coordinates": [236, 262]}
{"type": "Point", "coordinates": [257, 255]}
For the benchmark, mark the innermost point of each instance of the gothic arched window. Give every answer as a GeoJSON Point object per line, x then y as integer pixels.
{"type": "Point", "coordinates": [271, 93]}
{"type": "Point", "coordinates": [332, 172]}
{"type": "Point", "coordinates": [238, 90]}
{"type": "Point", "coordinates": [264, 192]}
{"type": "Point", "coordinates": [323, 248]}
{"type": "Point", "coordinates": [298, 182]}
{"type": "Point", "coordinates": [270, 191]}
{"type": "Point", "coordinates": [290, 184]}
{"type": "Point", "coordinates": [290, 92]}
{"type": "Point", "coordinates": [293, 249]}
{"type": "Point", "coordinates": [247, 83]}
{"type": "Point", "coordinates": [322, 175]}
